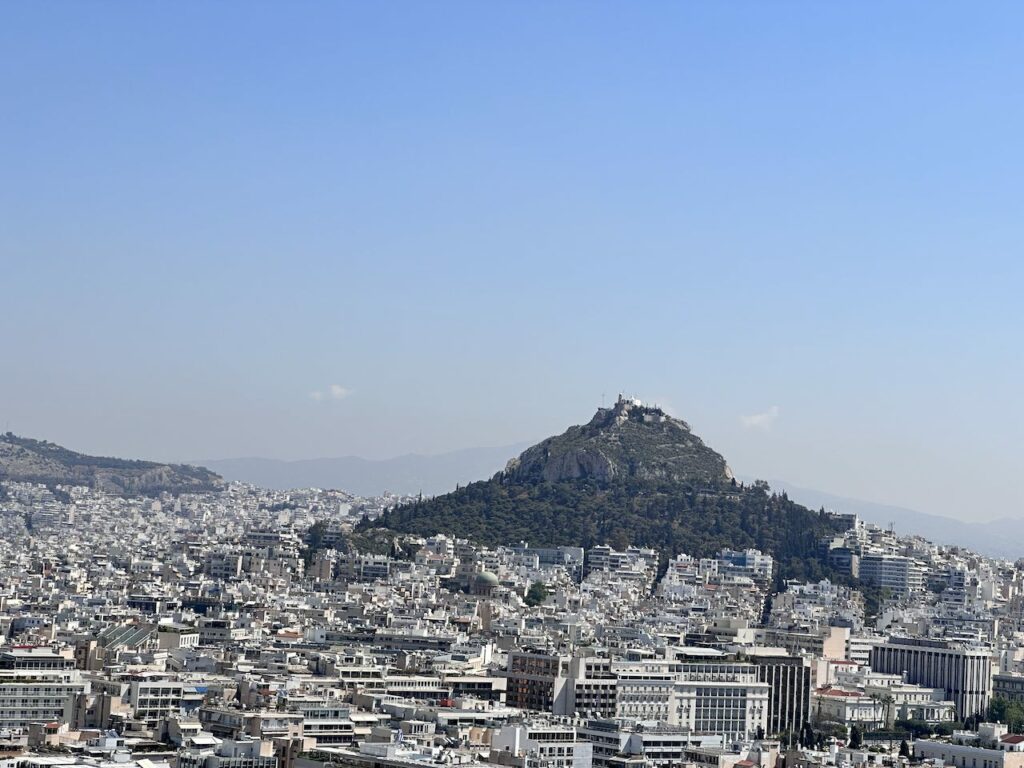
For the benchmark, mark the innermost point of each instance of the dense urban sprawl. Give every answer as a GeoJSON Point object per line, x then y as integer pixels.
{"type": "Point", "coordinates": [247, 629]}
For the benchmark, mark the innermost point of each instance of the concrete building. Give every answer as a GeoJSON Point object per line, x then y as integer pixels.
{"type": "Point", "coordinates": [723, 698]}
{"type": "Point", "coordinates": [990, 747]}
{"type": "Point", "coordinates": [903, 575]}
{"type": "Point", "coordinates": [826, 643]}
{"type": "Point", "coordinates": [543, 744]}
{"type": "Point", "coordinates": [789, 679]}
{"type": "Point", "coordinates": [963, 672]}
{"type": "Point", "coordinates": [537, 681]}
{"type": "Point", "coordinates": [37, 684]}
{"type": "Point", "coordinates": [247, 753]}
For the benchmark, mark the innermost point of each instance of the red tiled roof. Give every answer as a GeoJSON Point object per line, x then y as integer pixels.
{"type": "Point", "coordinates": [830, 691]}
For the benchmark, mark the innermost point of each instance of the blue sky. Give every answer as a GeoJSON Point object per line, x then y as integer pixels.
{"type": "Point", "coordinates": [474, 219]}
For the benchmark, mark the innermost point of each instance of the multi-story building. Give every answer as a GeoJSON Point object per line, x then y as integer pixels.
{"type": "Point", "coordinates": [1008, 686]}
{"type": "Point", "coordinates": [632, 561]}
{"type": "Point", "coordinates": [246, 753]}
{"type": "Point", "coordinates": [826, 642]}
{"type": "Point", "coordinates": [561, 685]}
{"type": "Point", "coordinates": [751, 563]}
{"type": "Point", "coordinates": [661, 746]}
{"type": "Point", "coordinates": [850, 707]}
{"type": "Point", "coordinates": [37, 684]}
{"type": "Point", "coordinates": [647, 692]}
{"type": "Point", "coordinates": [543, 744]}
{"type": "Point", "coordinates": [328, 722]}
{"type": "Point", "coordinates": [537, 681]}
{"type": "Point", "coordinates": [593, 687]}
{"type": "Point", "coordinates": [789, 678]}
{"type": "Point", "coordinates": [724, 698]}
{"type": "Point", "coordinates": [963, 672]}
{"type": "Point", "coordinates": [903, 575]}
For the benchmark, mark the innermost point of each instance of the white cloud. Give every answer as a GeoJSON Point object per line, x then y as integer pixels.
{"type": "Point", "coordinates": [333, 392]}
{"type": "Point", "coordinates": [762, 421]}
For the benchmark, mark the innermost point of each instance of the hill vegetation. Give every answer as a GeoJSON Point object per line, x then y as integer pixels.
{"type": "Point", "coordinates": [632, 476]}
{"type": "Point", "coordinates": [38, 461]}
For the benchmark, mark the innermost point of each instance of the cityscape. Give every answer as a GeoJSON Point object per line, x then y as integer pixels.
{"type": "Point", "coordinates": [241, 627]}
{"type": "Point", "coordinates": [503, 384]}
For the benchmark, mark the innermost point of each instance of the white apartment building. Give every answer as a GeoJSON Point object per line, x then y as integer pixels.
{"type": "Point", "coordinates": [724, 698]}
{"type": "Point", "coordinates": [544, 745]}
{"type": "Point", "coordinates": [903, 575]}
{"type": "Point", "coordinates": [37, 684]}
{"type": "Point", "coordinates": [147, 697]}
{"type": "Point", "coordinates": [751, 563]}
{"type": "Point", "coordinates": [662, 746]}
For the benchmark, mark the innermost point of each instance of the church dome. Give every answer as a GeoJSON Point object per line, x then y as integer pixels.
{"type": "Point", "coordinates": [485, 579]}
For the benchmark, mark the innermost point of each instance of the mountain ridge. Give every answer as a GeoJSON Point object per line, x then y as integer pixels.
{"type": "Point", "coordinates": [25, 459]}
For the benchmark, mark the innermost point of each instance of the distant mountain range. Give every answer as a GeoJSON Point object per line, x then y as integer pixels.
{"type": "Point", "coordinates": [409, 474]}
{"type": "Point", "coordinates": [38, 461]}
{"type": "Point", "coordinates": [987, 538]}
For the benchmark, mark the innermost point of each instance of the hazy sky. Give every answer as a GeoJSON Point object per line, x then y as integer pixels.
{"type": "Point", "coordinates": [316, 229]}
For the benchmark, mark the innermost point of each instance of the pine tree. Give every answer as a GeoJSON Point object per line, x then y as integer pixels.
{"type": "Point", "coordinates": [856, 738]}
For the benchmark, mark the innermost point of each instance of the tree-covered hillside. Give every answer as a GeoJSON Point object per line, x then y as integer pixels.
{"type": "Point", "coordinates": [662, 515]}
{"type": "Point", "coordinates": [573, 490]}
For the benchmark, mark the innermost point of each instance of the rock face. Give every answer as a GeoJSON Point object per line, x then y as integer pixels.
{"type": "Point", "coordinates": [37, 461]}
{"type": "Point", "coordinates": [629, 439]}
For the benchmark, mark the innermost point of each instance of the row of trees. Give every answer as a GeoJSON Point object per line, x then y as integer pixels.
{"type": "Point", "coordinates": [817, 737]}
{"type": "Point", "coordinates": [904, 730]}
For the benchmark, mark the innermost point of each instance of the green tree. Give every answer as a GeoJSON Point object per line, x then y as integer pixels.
{"type": "Point", "coordinates": [674, 515]}
{"type": "Point", "coordinates": [904, 749]}
{"type": "Point", "coordinates": [856, 738]}
{"type": "Point", "coordinates": [806, 736]}
{"type": "Point", "coordinates": [946, 729]}
{"type": "Point", "coordinates": [1011, 713]}
{"type": "Point", "coordinates": [916, 728]}
{"type": "Point", "coordinates": [536, 594]}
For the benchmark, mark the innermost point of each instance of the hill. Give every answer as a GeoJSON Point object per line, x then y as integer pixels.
{"type": "Point", "coordinates": [38, 461]}
{"type": "Point", "coordinates": [632, 475]}
{"type": "Point", "coordinates": [408, 474]}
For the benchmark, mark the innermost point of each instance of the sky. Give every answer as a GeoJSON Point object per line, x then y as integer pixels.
{"type": "Point", "coordinates": [306, 229]}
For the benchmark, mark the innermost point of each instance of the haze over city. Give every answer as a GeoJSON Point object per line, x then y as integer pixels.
{"type": "Point", "coordinates": [372, 231]}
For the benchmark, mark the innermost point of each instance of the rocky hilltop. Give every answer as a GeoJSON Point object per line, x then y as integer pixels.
{"type": "Point", "coordinates": [38, 461]}
{"type": "Point", "coordinates": [629, 439]}
{"type": "Point", "coordinates": [632, 475]}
